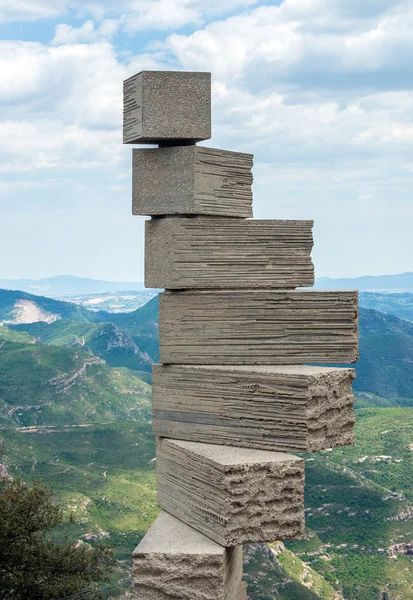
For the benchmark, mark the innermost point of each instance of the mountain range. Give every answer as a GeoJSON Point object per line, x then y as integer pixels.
{"type": "Point", "coordinates": [402, 282]}
{"type": "Point", "coordinates": [72, 413]}
{"type": "Point", "coordinates": [131, 339]}
{"type": "Point", "coordinates": [68, 285]}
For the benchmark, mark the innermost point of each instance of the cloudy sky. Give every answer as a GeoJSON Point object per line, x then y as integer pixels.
{"type": "Point", "coordinates": [319, 90]}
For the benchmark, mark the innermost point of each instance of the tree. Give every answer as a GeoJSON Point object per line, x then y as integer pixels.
{"type": "Point", "coordinates": [32, 564]}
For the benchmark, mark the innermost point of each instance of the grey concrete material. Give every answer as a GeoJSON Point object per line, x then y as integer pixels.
{"type": "Point", "coordinates": [301, 409]}
{"type": "Point", "coordinates": [243, 591]}
{"type": "Point", "coordinates": [258, 327]}
{"type": "Point", "coordinates": [232, 495]}
{"type": "Point", "coordinates": [174, 561]}
{"type": "Point", "coordinates": [191, 180]}
{"type": "Point", "coordinates": [228, 253]}
{"type": "Point", "coordinates": [166, 105]}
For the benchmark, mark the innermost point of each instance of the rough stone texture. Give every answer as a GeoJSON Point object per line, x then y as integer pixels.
{"type": "Point", "coordinates": [228, 253]}
{"type": "Point", "coordinates": [243, 591]}
{"type": "Point", "coordinates": [232, 495]}
{"type": "Point", "coordinates": [295, 408]}
{"type": "Point", "coordinates": [258, 327]}
{"type": "Point", "coordinates": [166, 105]}
{"type": "Point", "coordinates": [187, 180]}
{"type": "Point", "coordinates": [174, 561]}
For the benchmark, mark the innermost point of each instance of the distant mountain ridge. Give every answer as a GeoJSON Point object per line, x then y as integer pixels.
{"type": "Point", "coordinates": [55, 309]}
{"type": "Point", "coordinates": [397, 304]}
{"type": "Point", "coordinates": [131, 339]}
{"type": "Point", "coordinates": [402, 282]}
{"type": "Point", "coordinates": [67, 285]}
{"type": "Point", "coordinates": [70, 285]}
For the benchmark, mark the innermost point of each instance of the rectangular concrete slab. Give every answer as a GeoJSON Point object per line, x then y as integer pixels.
{"type": "Point", "coordinates": [191, 180]}
{"type": "Point", "coordinates": [286, 408]}
{"type": "Point", "coordinates": [174, 561]}
{"type": "Point", "coordinates": [166, 105]}
{"type": "Point", "coordinates": [232, 495]}
{"type": "Point", "coordinates": [258, 327]}
{"type": "Point", "coordinates": [228, 253]}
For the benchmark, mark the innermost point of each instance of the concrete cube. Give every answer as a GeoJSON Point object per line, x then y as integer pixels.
{"type": "Point", "coordinates": [285, 408]}
{"type": "Point", "coordinates": [166, 106]}
{"type": "Point", "coordinates": [191, 180]}
{"type": "Point", "coordinates": [228, 253]}
{"type": "Point", "coordinates": [232, 495]}
{"type": "Point", "coordinates": [174, 561]}
{"type": "Point", "coordinates": [258, 327]}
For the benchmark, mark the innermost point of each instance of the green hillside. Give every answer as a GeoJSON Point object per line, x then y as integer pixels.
{"type": "Point", "coordinates": [48, 385]}
{"type": "Point", "coordinates": [272, 572]}
{"type": "Point", "coordinates": [385, 367]}
{"type": "Point", "coordinates": [359, 503]}
{"type": "Point", "coordinates": [399, 305]}
{"type": "Point", "coordinates": [142, 324]}
{"type": "Point", "coordinates": [360, 506]}
{"type": "Point", "coordinates": [105, 340]}
{"type": "Point", "coordinates": [83, 426]}
{"type": "Point", "coordinates": [59, 308]}
{"type": "Point", "coordinates": [368, 400]}
{"type": "Point", "coordinates": [131, 341]}
{"type": "Point", "coordinates": [386, 348]}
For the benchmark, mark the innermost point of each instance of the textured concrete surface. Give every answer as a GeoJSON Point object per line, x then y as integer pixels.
{"type": "Point", "coordinates": [232, 495]}
{"type": "Point", "coordinates": [174, 561]}
{"type": "Point", "coordinates": [228, 253]}
{"type": "Point", "coordinates": [258, 327]}
{"type": "Point", "coordinates": [295, 408]}
{"type": "Point", "coordinates": [191, 180]}
{"type": "Point", "coordinates": [243, 591]}
{"type": "Point", "coordinates": [166, 105]}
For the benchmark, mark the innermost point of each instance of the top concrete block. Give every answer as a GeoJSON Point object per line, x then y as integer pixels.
{"type": "Point", "coordinates": [163, 106]}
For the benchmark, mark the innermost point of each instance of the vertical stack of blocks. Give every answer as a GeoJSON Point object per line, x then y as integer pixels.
{"type": "Point", "coordinates": [232, 396]}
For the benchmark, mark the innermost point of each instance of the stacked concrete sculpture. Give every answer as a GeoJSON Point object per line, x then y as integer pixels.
{"type": "Point", "coordinates": [233, 395]}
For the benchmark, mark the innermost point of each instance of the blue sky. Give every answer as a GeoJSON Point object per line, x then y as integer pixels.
{"type": "Point", "coordinates": [321, 91]}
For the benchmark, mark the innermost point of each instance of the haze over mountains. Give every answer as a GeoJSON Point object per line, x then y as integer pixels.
{"type": "Point", "coordinates": [402, 282]}
{"type": "Point", "coordinates": [70, 285]}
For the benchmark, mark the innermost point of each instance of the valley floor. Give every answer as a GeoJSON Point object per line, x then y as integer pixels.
{"type": "Point", "coordinates": [359, 503]}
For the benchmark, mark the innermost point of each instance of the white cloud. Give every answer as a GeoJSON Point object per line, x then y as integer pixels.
{"type": "Point", "coordinates": [264, 63]}
{"type": "Point", "coordinates": [274, 43]}
{"type": "Point", "coordinates": [135, 14]}
{"type": "Point", "coordinates": [75, 83]}
{"type": "Point", "coordinates": [51, 145]}
{"type": "Point", "coordinates": [173, 14]}
{"type": "Point", "coordinates": [61, 106]}
{"type": "Point", "coordinates": [319, 90]}
{"type": "Point", "coordinates": [88, 32]}
{"type": "Point", "coordinates": [30, 10]}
